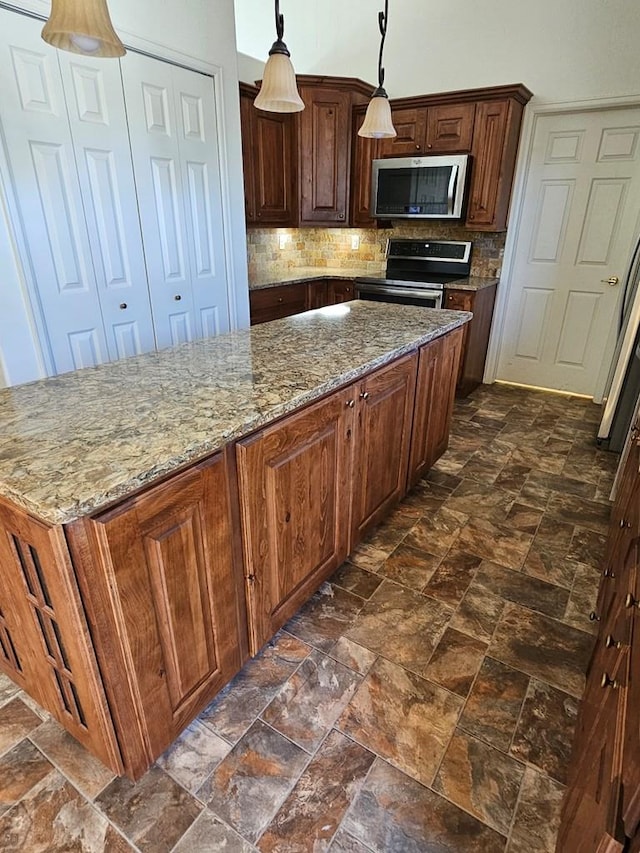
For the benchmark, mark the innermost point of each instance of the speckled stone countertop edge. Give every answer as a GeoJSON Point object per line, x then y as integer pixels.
{"type": "Point", "coordinates": [472, 283]}
{"type": "Point", "coordinates": [68, 512]}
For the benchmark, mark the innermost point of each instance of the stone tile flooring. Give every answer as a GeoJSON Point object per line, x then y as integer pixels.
{"type": "Point", "coordinates": [424, 699]}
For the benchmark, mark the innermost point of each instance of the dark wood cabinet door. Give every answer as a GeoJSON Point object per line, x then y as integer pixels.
{"type": "Point", "coordinates": [168, 558]}
{"type": "Point", "coordinates": [247, 96]}
{"type": "Point", "coordinates": [476, 333]}
{"type": "Point", "coordinates": [273, 303]}
{"type": "Point", "coordinates": [494, 150]}
{"type": "Point", "coordinates": [45, 643]}
{"type": "Point", "coordinates": [450, 128]}
{"type": "Point", "coordinates": [488, 145]}
{"type": "Point", "coordinates": [435, 391]}
{"type": "Point", "coordinates": [317, 294]}
{"type": "Point", "coordinates": [365, 151]}
{"type": "Point", "coordinates": [274, 168]}
{"type": "Point", "coordinates": [324, 155]}
{"type": "Point", "coordinates": [385, 411]}
{"type": "Point", "coordinates": [268, 161]}
{"type": "Point", "coordinates": [295, 485]}
{"type": "Point", "coordinates": [340, 290]}
{"type": "Point", "coordinates": [411, 129]}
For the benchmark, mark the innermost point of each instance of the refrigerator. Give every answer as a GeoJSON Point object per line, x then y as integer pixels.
{"type": "Point", "coordinates": [623, 384]}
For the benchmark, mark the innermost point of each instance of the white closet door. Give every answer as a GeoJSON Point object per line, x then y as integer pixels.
{"type": "Point", "coordinates": [43, 172]}
{"type": "Point", "coordinates": [198, 144]}
{"type": "Point", "coordinates": [95, 103]}
{"type": "Point", "coordinates": [171, 116]}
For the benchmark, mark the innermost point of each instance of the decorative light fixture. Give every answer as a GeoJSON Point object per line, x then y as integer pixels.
{"type": "Point", "coordinates": [82, 26]}
{"type": "Point", "coordinates": [377, 122]}
{"type": "Point", "coordinates": [279, 91]}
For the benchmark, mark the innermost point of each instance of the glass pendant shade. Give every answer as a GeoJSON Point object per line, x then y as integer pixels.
{"type": "Point", "coordinates": [377, 122]}
{"type": "Point", "coordinates": [82, 26]}
{"type": "Point", "coordinates": [279, 90]}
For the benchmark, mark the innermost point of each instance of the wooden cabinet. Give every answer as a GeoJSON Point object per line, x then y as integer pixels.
{"type": "Point", "coordinates": [384, 405]}
{"type": "Point", "coordinates": [165, 594]}
{"type": "Point", "coordinates": [450, 128]}
{"type": "Point", "coordinates": [476, 333]}
{"type": "Point", "coordinates": [340, 290]}
{"type": "Point", "coordinates": [435, 392]}
{"type": "Point", "coordinates": [268, 159]}
{"type": "Point", "coordinates": [601, 810]}
{"type": "Point", "coordinates": [421, 130]}
{"type": "Point", "coordinates": [411, 133]}
{"type": "Point", "coordinates": [272, 303]}
{"type": "Point", "coordinates": [312, 484]}
{"type": "Point", "coordinates": [283, 300]}
{"type": "Point", "coordinates": [365, 151]}
{"type": "Point", "coordinates": [45, 644]}
{"type": "Point", "coordinates": [324, 155]}
{"type": "Point", "coordinates": [494, 150]}
{"type": "Point", "coordinates": [295, 481]}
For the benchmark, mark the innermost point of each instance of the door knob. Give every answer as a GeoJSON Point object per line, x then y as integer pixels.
{"type": "Point", "coordinates": [123, 305]}
{"type": "Point", "coordinates": [177, 297]}
{"type": "Point", "coordinates": [612, 280]}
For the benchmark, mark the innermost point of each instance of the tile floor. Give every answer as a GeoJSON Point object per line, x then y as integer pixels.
{"type": "Point", "coordinates": [423, 700]}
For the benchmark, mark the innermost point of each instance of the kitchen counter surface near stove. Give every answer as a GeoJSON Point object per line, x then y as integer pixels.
{"type": "Point", "coordinates": [301, 275]}
{"type": "Point", "coordinates": [75, 443]}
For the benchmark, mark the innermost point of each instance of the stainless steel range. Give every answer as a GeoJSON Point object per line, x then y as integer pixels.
{"type": "Point", "coordinates": [417, 272]}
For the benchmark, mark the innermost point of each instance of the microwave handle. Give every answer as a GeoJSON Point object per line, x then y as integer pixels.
{"type": "Point", "coordinates": [453, 180]}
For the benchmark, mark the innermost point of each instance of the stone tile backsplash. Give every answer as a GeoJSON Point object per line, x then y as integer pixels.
{"type": "Point", "coordinates": [270, 250]}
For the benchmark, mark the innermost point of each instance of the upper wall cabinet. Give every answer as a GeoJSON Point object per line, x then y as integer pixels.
{"type": "Point", "coordinates": [297, 167]}
{"type": "Point", "coordinates": [482, 122]}
{"type": "Point", "coordinates": [269, 162]}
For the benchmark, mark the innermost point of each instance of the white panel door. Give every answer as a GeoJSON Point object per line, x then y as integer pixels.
{"type": "Point", "coordinates": [579, 215]}
{"type": "Point", "coordinates": [95, 104]}
{"type": "Point", "coordinates": [171, 116]}
{"type": "Point", "coordinates": [36, 134]}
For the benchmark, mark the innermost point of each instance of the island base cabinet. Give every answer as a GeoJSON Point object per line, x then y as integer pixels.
{"type": "Point", "coordinates": [384, 406]}
{"type": "Point", "coordinates": [435, 392]}
{"type": "Point", "coordinates": [45, 645]}
{"type": "Point", "coordinates": [165, 601]}
{"type": "Point", "coordinates": [294, 479]}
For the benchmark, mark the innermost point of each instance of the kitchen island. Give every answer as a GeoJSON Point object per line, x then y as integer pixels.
{"type": "Point", "coordinates": [164, 515]}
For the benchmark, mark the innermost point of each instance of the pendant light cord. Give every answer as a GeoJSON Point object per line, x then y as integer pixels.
{"type": "Point", "coordinates": [382, 23]}
{"type": "Point", "coordinates": [279, 21]}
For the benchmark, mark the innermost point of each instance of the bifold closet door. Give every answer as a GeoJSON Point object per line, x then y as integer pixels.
{"type": "Point", "coordinates": [172, 127]}
{"type": "Point", "coordinates": [77, 207]}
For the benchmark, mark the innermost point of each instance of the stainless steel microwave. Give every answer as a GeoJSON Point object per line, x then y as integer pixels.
{"type": "Point", "coordinates": [419, 187]}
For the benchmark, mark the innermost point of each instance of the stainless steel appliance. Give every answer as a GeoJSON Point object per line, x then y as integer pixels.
{"type": "Point", "coordinates": [419, 187]}
{"type": "Point", "coordinates": [623, 385]}
{"type": "Point", "coordinates": [417, 272]}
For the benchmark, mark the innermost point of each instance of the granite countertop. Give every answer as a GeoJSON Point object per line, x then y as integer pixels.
{"type": "Point", "coordinates": [473, 282]}
{"type": "Point", "coordinates": [300, 275]}
{"type": "Point", "coordinates": [72, 444]}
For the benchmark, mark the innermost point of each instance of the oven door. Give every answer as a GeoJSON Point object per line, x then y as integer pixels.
{"type": "Point", "coordinates": [423, 296]}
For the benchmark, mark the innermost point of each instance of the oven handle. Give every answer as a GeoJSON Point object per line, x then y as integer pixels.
{"type": "Point", "coordinates": [419, 294]}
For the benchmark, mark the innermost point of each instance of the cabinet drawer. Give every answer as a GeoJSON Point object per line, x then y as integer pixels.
{"type": "Point", "coordinates": [459, 300]}
{"type": "Point", "coordinates": [272, 303]}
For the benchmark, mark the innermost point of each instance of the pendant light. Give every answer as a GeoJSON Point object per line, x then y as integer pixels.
{"type": "Point", "coordinates": [82, 26]}
{"type": "Point", "coordinates": [279, 91]}
{"type": "Point", "coordinates": [377, 122]}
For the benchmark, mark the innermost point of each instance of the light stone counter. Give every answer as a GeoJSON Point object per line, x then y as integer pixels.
{"type": "Point", "coordinates": [299, 275]}
{"type": "Point", "coordinates": [77, 442]}
{"type": "Point", "coordinates": [472, 282]}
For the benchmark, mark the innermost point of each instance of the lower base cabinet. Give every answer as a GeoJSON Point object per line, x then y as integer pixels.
{"type": "Point", "coordinates": [601, 810]}
{"type": "Point", "coordinates": [125, 624]}
{"type": "Point", "coordinates": [435, 392]}
{"type": "Point", "coordinates": [165, 594]}
{"type": "Point", "coordinates": [475, 334]}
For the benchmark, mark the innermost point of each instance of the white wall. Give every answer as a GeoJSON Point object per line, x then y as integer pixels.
{"type": "Point", "coordinates": [200, 34]}
{"type": "Point", "coordinates": [561, 49]}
